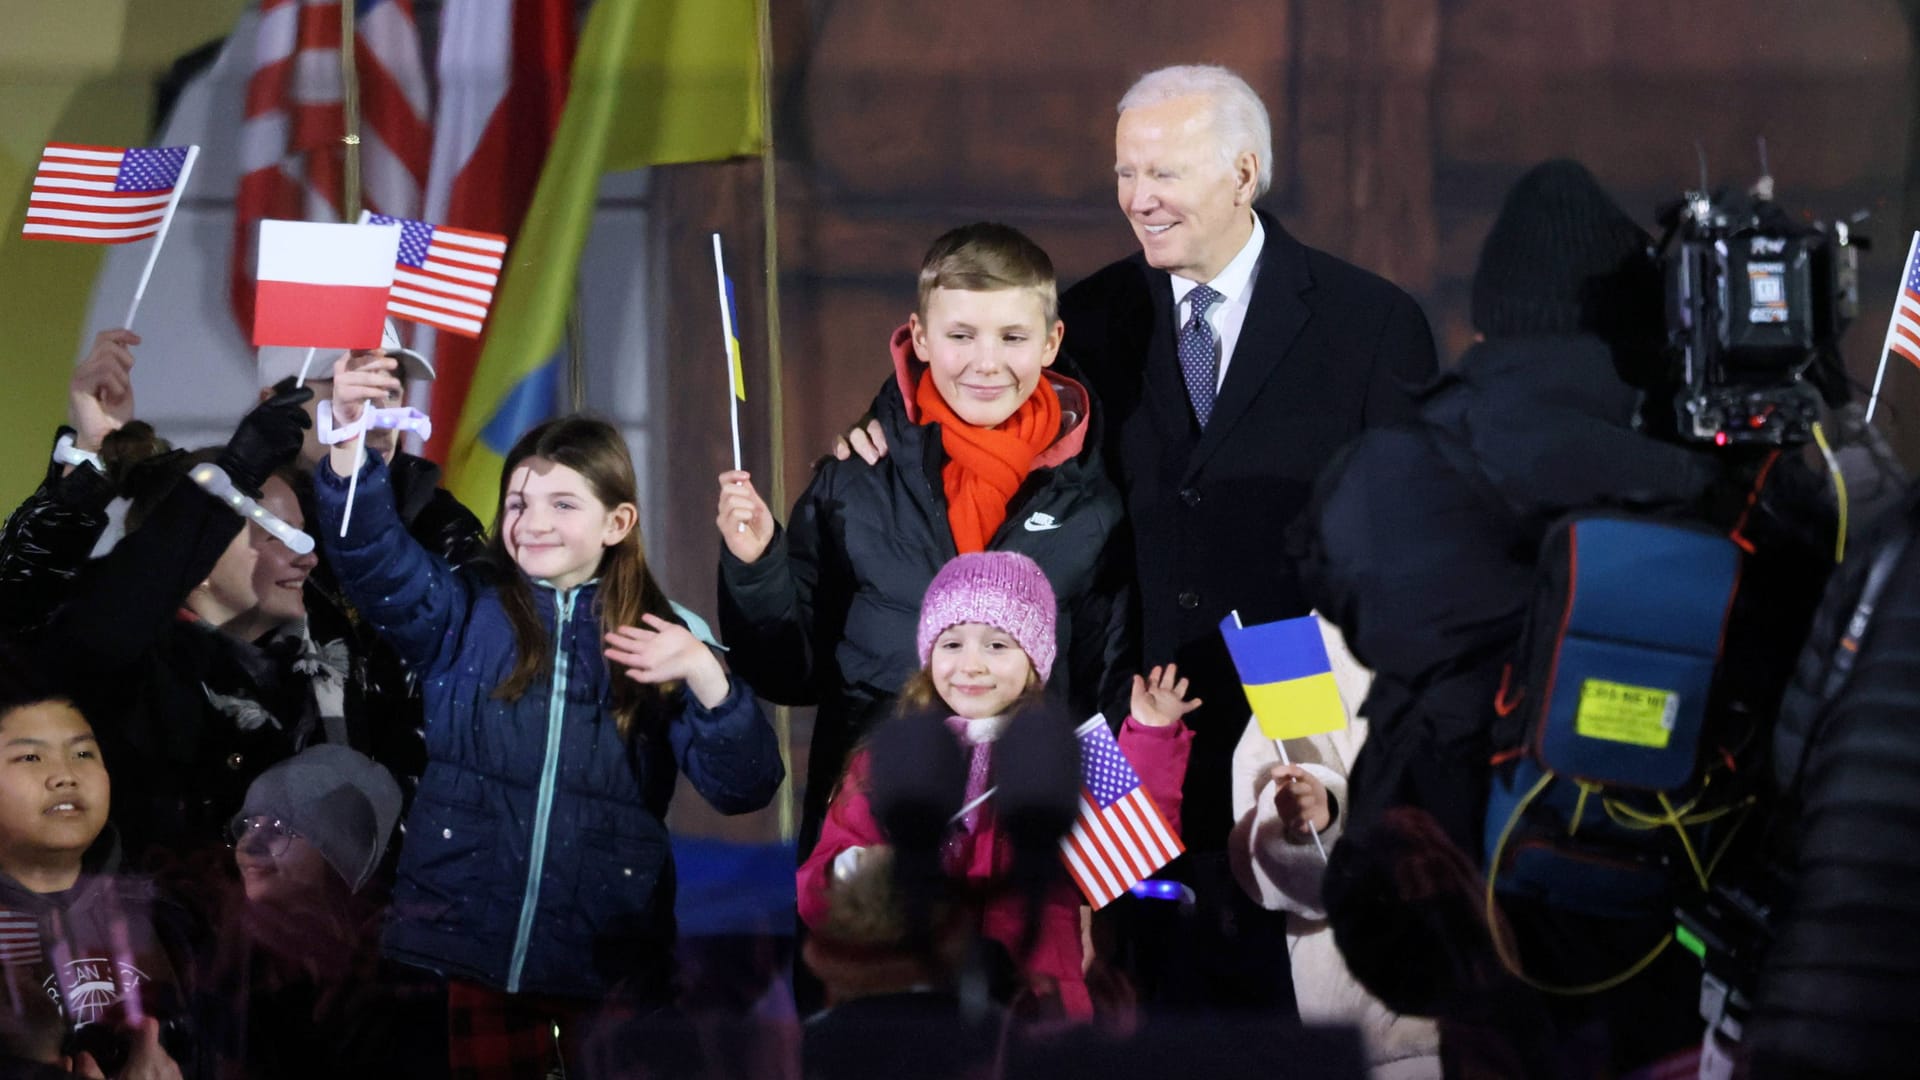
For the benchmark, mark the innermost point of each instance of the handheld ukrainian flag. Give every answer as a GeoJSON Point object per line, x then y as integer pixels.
{"type": "Point", "coordinates": [1287, 675]}
{"type": "Point", "coordinates": [655, 82]}
{"type": "Point", "coordinates": [730, 339]}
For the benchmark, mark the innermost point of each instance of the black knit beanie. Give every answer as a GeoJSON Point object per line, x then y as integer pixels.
{"type": "Point", "coordinates": [1562, 258]}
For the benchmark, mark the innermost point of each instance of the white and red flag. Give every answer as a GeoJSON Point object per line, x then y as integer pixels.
{"type": "Point", "coordinates": [323, 286]}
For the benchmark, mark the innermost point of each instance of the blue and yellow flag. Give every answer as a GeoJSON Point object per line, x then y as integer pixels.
{"type": "Point", "coordinates": [1287, 675]}
{"type": "Point", "coordinates": [733, 341]}
{"type": "Point", "coordinates": [655, 82]}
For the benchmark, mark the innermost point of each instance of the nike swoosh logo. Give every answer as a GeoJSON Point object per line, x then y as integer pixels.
{"type": "Point", "coordinates": [1041, 523]}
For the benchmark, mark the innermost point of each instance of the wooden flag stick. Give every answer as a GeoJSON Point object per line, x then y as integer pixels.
{"type": "Point", "coordinates": [166, 221]}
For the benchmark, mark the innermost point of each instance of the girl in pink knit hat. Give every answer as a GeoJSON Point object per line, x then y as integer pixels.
{"type": "Point", "coordinates": [986, 643]}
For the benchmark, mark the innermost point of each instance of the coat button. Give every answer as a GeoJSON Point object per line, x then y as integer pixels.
{"type": "Point", "coordinates": [1189, 600]}
{"type": "Point", "coordinates": [628, 871]}
{"type": "Point", "coordinates": [1190, 496]}
{"type": "Point", "coordinates": [234, 761]}
{"type": "Point", "coordinates": [446, 834]}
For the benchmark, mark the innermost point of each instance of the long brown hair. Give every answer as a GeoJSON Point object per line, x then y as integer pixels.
{"type": "Point", "coordinates": [596, 450]}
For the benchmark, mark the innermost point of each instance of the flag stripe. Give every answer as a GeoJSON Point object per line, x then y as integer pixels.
{"type": "Point", "coordinates": [428, 281]}
{"type": "Point", "coordinates": [452, 254]}
{"type": "Point", "coordinates": [435, 300]}
{"type": "Point", "coordinates": [35, 212]}
{"type": "Point", "coordinates": [1089, 848]}
{"type": "Point", "coordinates": [1109, 847]}
{"type": "Point", "coordinates": [461, 273]}
{"type": "Point", "coordinates": [1082, 876]}
{"type": "Point", "coordinates": [92, 234]}
{"type": "Point", "coordinates": [434, 318]}
{"type": "Point", "coordinates": [326, 316]}
{"type": "Point", "coordinates": [127, 201]}
{"type": "Point", "coordinates": [1143, 835]}
{"type": "Point", "coordinates": [445, 234]}
{"type": "Point", "coordinates": [85, 153]}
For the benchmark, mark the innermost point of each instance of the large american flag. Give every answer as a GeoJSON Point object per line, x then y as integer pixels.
{"type": "Point", "coordinates": [102, 194]}
{"type": "Point", "coordinates": [1904, 337]}
{"type": "Point", "coordinates": [1120, 837]}
{"type": "Point", "coordinates": [292, 159]}
{"type": "Point", "coordinates": [444, 277]}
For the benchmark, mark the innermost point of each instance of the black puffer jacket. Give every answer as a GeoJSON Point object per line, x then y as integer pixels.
{"type": "Point", "coordinates": [1839, 983]}
{"type": "Point", "coordinates": [186, 715]}
{"type": "Point", "coordinates": [384, 710]}
{"type": "Point", "coordinates": [1421, 543]}
{"type": "Point", "coordinates": [47, 540]}
{"type": "Point", "coordinates": [827, 615]}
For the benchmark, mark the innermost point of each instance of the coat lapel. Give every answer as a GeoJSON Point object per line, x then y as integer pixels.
{"type": "Point", "coordinates": [1275, 318]}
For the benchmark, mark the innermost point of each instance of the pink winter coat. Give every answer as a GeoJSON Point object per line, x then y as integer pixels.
{"type": "Point", "coordinates": [1159, 755]}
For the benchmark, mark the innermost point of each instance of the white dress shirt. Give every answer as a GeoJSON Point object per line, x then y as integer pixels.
{"type": "Point", "coordinates": [1228, 314]}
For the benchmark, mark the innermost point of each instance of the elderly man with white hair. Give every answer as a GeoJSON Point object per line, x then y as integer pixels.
{"type": "Point", "coordinates": [1232, 361]}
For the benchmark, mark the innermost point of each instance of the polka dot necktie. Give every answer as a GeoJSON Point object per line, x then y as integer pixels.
{"type": "Point", "coordinates": [1197, 353]}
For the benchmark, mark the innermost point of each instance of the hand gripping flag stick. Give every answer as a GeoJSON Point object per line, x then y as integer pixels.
{"type": "Point", "coordinates": [398, 418]}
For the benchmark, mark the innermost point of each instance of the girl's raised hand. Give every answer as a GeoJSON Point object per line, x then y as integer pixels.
{"type": "Point", "coordinates": [1301, 801]}
{"type": "Point", "coordinates": [745, 522]}
{"type": "Point", "coordinates": [1161, 697]}
{"type": "Point", "coordinates": [665, 651]}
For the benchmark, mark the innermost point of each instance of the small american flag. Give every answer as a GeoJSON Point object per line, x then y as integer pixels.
{"type": "Point", "coordinates": [443, 277]}
{"type": "Point", "coordinates": [1904, 337]}
{"type": "Point", "coordinates": [1120, 837]}
{"type": "Point", "coordinates": [102, 194]}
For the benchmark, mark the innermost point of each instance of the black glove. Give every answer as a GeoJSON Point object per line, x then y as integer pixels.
{"type": "Point", "coordinates": [268, 437]}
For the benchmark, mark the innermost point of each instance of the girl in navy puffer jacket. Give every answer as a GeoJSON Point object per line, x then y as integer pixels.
{"type": "Point", "coordinates": [563, 692]}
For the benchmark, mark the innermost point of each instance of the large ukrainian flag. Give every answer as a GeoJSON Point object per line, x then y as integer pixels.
{"type": "Point", "coordinates": [1287, 675]}
{"type": "Point", "coordinates": [655, 82]}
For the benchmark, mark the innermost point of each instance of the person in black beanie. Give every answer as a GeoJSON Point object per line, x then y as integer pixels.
{"type": "Point", "coordinates": [1421, 545]}
{"type": "Point", "coordinates": [1420, 540]}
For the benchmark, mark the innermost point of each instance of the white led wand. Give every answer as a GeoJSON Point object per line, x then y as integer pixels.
{"type": "Point", "coordinates": [214, 481]}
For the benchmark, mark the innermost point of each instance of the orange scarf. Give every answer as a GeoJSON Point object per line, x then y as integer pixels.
{"type": "Point", "coordinates": [985, 466]}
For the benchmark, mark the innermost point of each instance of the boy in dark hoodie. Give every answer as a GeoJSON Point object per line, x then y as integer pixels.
{"type": "Point", "coordinates": [88, 986]}
{"type": "Point", "coordinates": [995, 447]}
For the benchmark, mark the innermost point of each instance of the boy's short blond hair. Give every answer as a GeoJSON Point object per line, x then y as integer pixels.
{"type": "Point", "coordinates": [985, 257]}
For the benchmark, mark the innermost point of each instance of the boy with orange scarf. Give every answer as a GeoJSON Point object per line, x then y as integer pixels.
{"type": "Point", "coordinates": [995, 447]}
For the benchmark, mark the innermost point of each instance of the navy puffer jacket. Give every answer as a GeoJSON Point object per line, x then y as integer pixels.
{"type": "Point", "coordinates": [536, 856]}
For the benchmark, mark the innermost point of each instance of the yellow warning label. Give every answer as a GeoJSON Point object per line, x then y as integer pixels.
{"type": "Point", "coordinates": [1617, 712]}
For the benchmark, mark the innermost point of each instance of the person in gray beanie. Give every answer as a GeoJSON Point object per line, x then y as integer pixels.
{"type": "Point", "coordinates": [296, 988]}
{"type": "Point", "coordinates": [326, 807]}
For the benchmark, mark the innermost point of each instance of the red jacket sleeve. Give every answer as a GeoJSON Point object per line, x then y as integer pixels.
{"type": "Point", "coordinates": [1159, 755]}
{"type": "Point", "coordinates": [849, 823]}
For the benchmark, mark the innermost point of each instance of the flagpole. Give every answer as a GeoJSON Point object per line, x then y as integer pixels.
{"type": "Point", "coordinates": [1893, 321]}
{"type": "Point", "coordinates": [776, 410]}
{"type": "Point", "coordinates": [350, 107]}
{"type": "Point", "coordinates": [166, 222]}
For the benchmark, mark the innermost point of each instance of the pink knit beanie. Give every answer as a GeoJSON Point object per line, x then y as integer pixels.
{"type": "Point", "coordinates": [1002, 589]}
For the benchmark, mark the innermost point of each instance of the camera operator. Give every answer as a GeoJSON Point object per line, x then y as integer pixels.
{"type": "Point", "coordinates": [1837, 985]}
{"type": "Point", "coordinates": [1422, 546]}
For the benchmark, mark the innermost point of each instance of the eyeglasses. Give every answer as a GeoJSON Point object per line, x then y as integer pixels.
{"type": "Point", "coordinates": [271, 832]}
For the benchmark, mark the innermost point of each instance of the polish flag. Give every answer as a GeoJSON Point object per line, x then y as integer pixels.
{"type": "Point", "coordinates": [323, 286]}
